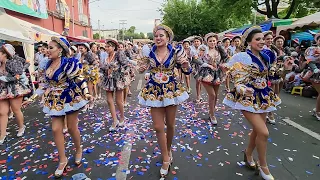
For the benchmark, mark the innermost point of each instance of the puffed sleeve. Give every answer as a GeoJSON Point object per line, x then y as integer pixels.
{"type": "Point", "coordinates": [123, 61]}
{"type": "Point", "coordinates": [143, 58]}
{"type": "Point", "coordinates": [73, 70]}
{"type": "Point", "coordinates": [239, 68]}
{"type": "Point", "coordinates": [15, 69]}
{"type": "Point", "coordinates": [89, 58]}
{"type": "Point", "coordinates": [182, 55]}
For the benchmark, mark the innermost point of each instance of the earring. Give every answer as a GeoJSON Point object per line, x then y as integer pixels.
{"type": "Point", "coordinates": [60, 54]}
{"type": "Point", "coordinates": [249, 47]}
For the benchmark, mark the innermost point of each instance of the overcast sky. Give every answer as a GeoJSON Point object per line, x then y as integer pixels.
{"type": "Point", "coordinates": [138, 13]}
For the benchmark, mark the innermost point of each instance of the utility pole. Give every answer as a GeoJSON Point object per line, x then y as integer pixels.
{"type": "Point", "coordinates": [254, 17]}
{"type": "Point", "coordinates": [99, 29]}
{"type": "Point", "coordinates": [73, 19]}
{"type": "Point", "coordinates": [123, 23]}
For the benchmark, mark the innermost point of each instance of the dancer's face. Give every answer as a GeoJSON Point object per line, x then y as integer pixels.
{"type": "Point", "coordinates": [94, 48]}
{"type": "Point", "coordinates": [161, 38]}
{"type": "Point", "coordinates": [110, 48]}
{"type": "Point", "coordinates": [3, 55]}
{"type": "Point", "coordinates": [82, 49]}
{"type": "Point", "coordinates": [257, 42]}
{"type": "Point", "coordinates": [237, 42]}
{"type": "Point", "coordinates": [197, 43]}
{"type": "Point", "coordinates": [212, 42]}
{"type": "Point", "coordinates": [186, 45]}
{"type": "Point", "coordinates": [268, 40]}
{"type": "Point", "coordinates": [54, 50]}
{"type": "Point", "coordinates": [121, 47]}
{"type": "Point", "coordinates": [279, 43]}
{"type": "Point", "coordinates": [226, 43]}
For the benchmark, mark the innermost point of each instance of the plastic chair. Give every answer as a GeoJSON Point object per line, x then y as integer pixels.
{"type": "Point", "coordinates": [297, 90]}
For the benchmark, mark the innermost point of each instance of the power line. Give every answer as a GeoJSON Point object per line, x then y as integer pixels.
{"type": "Point", "coordinates": [128, 9]}
{"type": "Point", "coordinates": [155, 1]}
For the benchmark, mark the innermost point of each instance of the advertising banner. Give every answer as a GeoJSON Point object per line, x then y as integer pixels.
{"type": "Point", "coordinates": [35, 8]}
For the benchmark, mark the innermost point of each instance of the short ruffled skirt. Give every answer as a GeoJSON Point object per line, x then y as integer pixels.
{"type": "Point", "coordinates": [114, 82]}
{"type": "Point", "coordinates": [195, 69]}
{"type": "Point", "coordinates": [275, 79]}
{"type": "Point", "coordinates": [208, 76]}
{"type": "Point", "coordinates": [162, 94]}
{"type": "Point", "coordinates": [10, 90]}
{"type": "Point", "coordinates": [63, 101]}
{"type": "Point", "coordinates": [262, 101]}
{"type": "Point", "coordinates": [91, 73]}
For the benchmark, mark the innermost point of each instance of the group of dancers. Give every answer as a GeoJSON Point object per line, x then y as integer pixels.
{"type": "Point", "coordinates": [70, 82]}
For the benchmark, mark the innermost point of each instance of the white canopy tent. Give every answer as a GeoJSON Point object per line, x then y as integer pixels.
{"type": "Point", "coordinates": [10, 35]}
{"type": "Point", "coordinates": [14, 29]}
{"type": "Point", "coordinates": [27, 29]}
{"type": "Point", "coordinates": [311, 20]}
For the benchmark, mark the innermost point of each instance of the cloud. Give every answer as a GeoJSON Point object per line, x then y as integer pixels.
{"type": "Point", "coordinates": [138, 13]}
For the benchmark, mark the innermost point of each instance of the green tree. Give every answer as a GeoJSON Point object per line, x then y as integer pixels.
{"type": "Point", "coordinates": [192, 17]}
{"type": "Point", "coordinates": [142, 36]}
{"type": "Point", "coordinates": [131, 29]}
{"type": "Point", "coordinates": [96, 36]}
{"type": "Point", "coordinates": [150, 35]}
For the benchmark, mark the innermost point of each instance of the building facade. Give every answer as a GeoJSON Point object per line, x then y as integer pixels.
{"type": "Point", "coordinates": [107, 33]}
{"type": "Point", "coordinates": [79, 15]}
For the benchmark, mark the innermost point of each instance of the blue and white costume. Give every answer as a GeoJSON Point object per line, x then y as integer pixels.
{"type": "Point", "coordinates": [249, 72]}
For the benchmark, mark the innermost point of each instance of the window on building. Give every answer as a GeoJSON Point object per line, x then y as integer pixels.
{"type": "Point", "coordinates": [59, 7]}
{"type": "Point", "coordinates": [80, 6]}
{"type": "Point", "coordinates": [85, 33]}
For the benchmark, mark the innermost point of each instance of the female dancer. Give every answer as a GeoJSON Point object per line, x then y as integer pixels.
{"type": "Point", "coordinates": [186, 46]}
{"type": "Point", "coordinates": [13, 86]}
{"type": "Point", "coordinates": [211, 74]}
{"type": "Point", "coordinates": [226, 45]}
{"type": "Point", "coordinates": [252, 95]}
{"type": "Point", "coordinates": [90, 69]}
{"type": "Point", "coordinates": [237, 45]}
{"type": "Point", "coordinates": [114, 68]}
{"type": "Point", "coordinates": [65, 92]}
{"type": "Point", "coordinates": [276, 70]}
{"type": "Point", "coordinates": [314, 53]}
{"type": "Point", "coordinates": [128, 77]}
{"type": "Point", "coordinates": [197, 42]}
{"type": "Point", "coordinates": [163, 92]}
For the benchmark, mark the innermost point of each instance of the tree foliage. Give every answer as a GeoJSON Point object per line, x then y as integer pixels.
{"type": "Point", "coordinates": [131, 34]}
{"type": "Point", "coordinates": [150, 35]}
{"type": "Point", "coordinates": [294, 8]}
{"type": "Point", "coordinates": [96, 36]}
{"type": "Point", "coordinates": [192, 17]}
{"type": "Point", "coordinates": [198, 17]}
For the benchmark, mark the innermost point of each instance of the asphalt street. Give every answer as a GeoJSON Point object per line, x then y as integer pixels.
{"type": "Point", "coordinates": [201, 151]}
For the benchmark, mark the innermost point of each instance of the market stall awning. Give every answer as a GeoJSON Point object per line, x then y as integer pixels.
{"type": "Point", "coordinates": [79, 39]}
{"type": "Point", "coordinates": [10, 35]}
{"type": "Point", "coordinates": [240, 30]}
{"type": "Point", "coordinates": [220, 35]}
{"type": "Point", "coordinates": [311, 20]}
{"type": "Point", "coordinates": [29, 30]}
{"type": "Point", "coordinates": [308, 35]}
{"type": "Point", "coordinates": [265, 26]}
{"type": "Point", "coordinates": [276, 22]}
